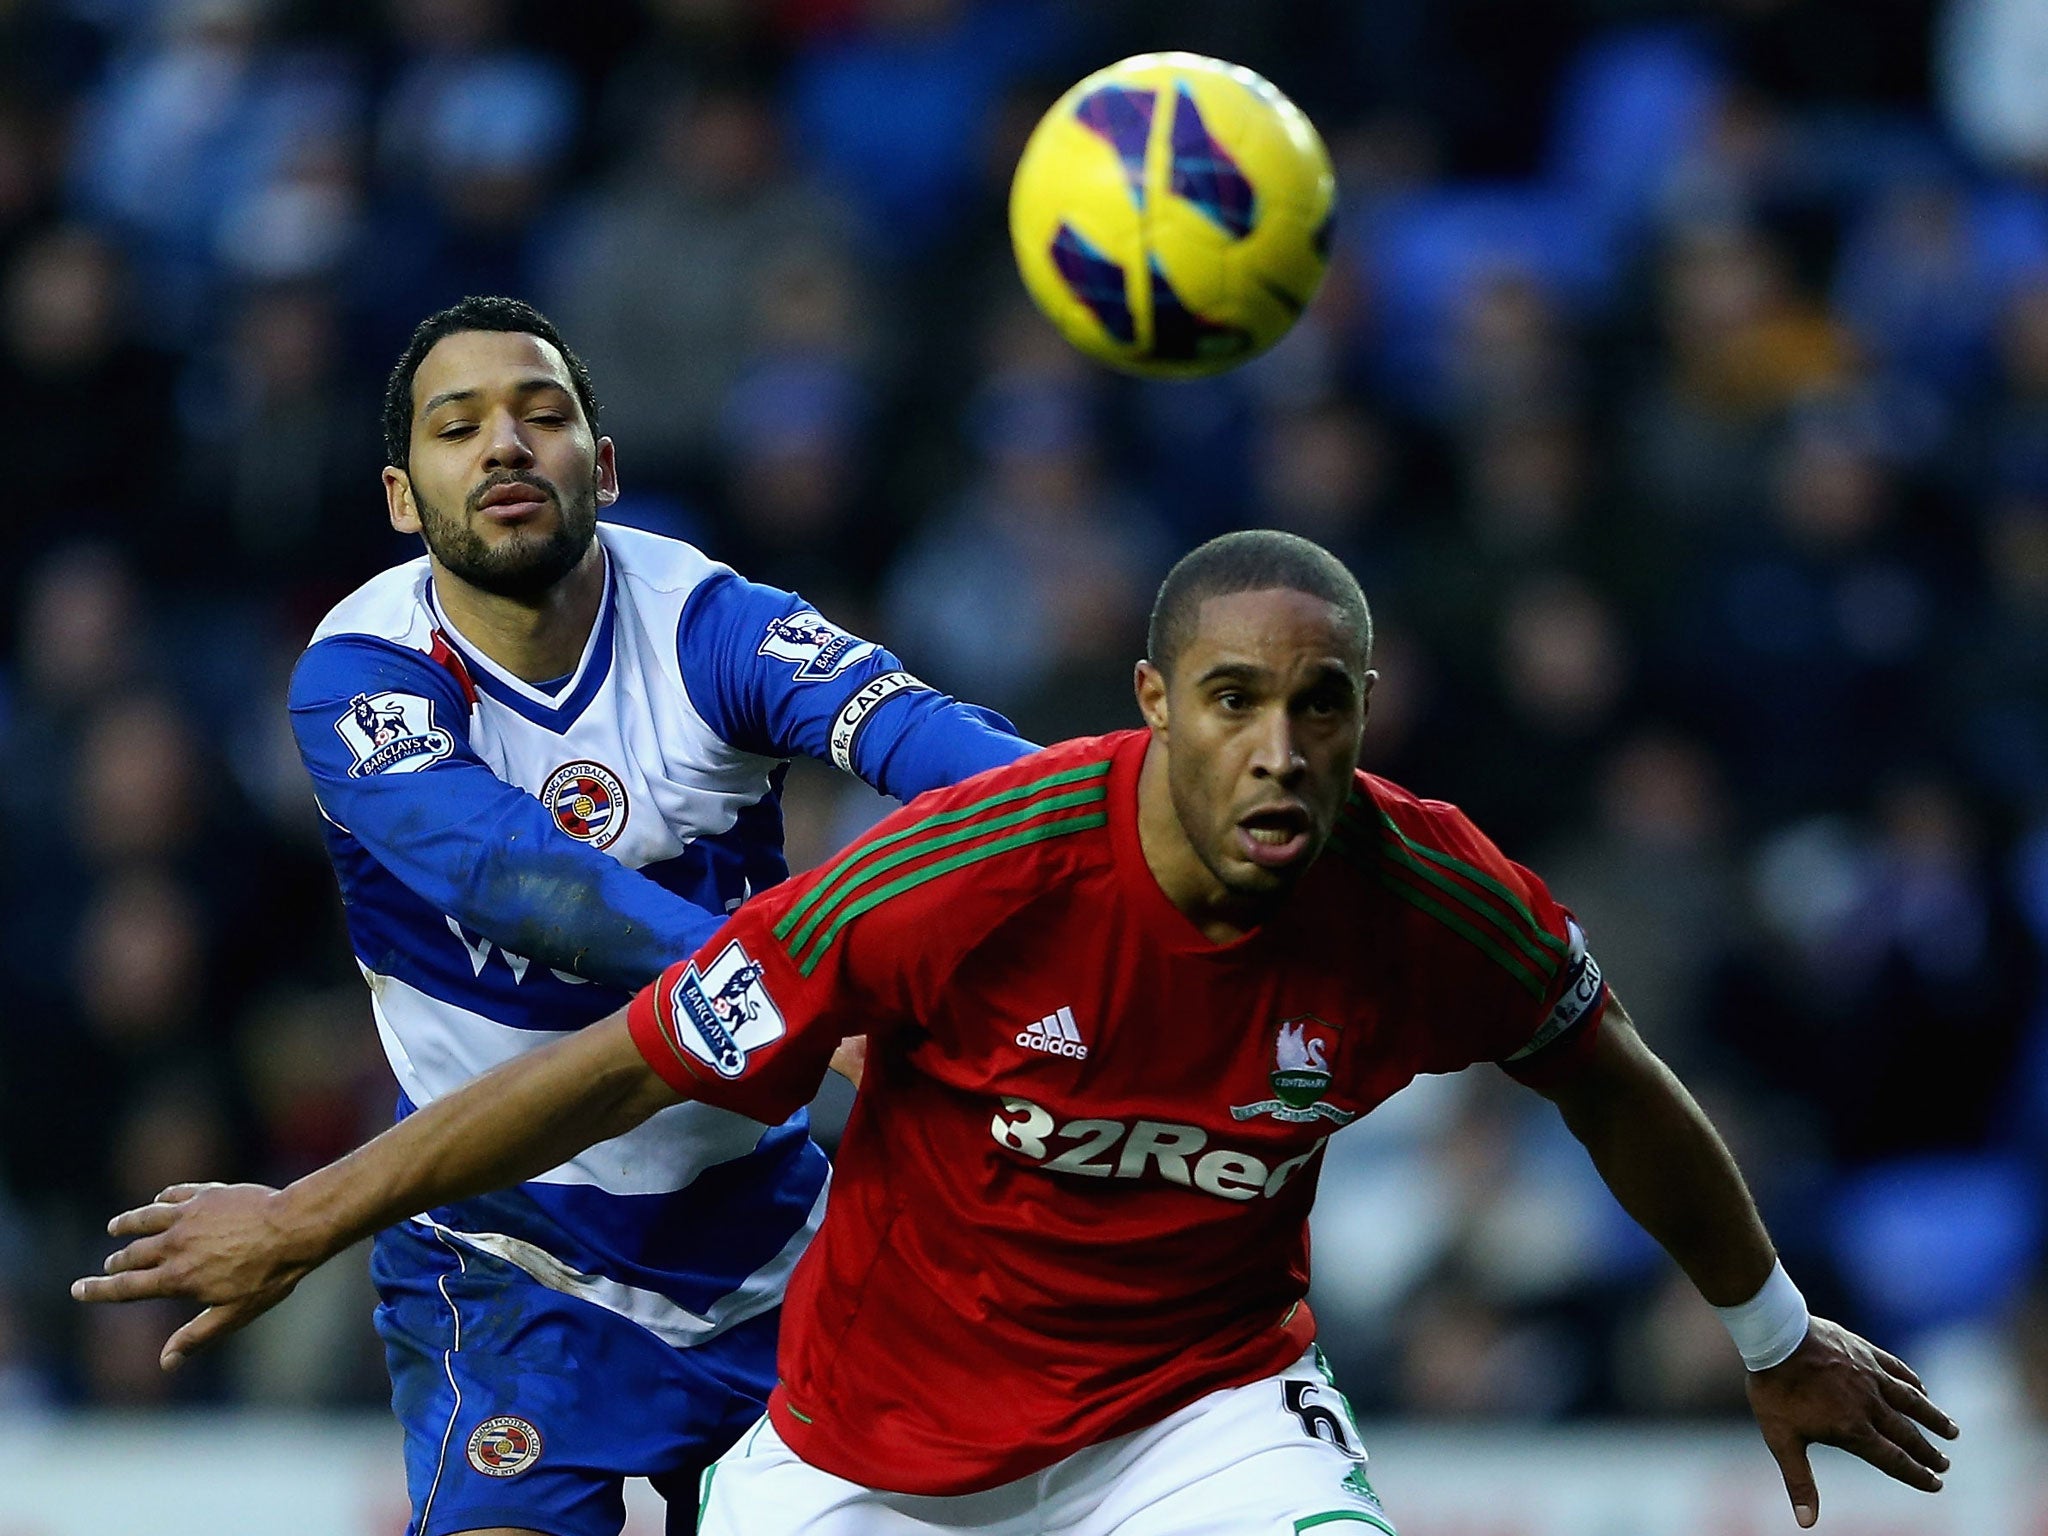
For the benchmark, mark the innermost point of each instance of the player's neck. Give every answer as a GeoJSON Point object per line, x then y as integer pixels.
{"type": "Point", "coordinates": [1221, 916]}
{"type": "Point", "coordinates": [535, 639]}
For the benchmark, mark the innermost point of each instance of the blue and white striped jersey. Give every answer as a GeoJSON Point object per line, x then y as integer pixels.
{"type": "Point", "coordinates": [515, 861]}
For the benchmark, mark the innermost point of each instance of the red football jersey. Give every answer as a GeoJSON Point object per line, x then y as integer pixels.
{"type": "Point", "coordinates": [1074, 1190]}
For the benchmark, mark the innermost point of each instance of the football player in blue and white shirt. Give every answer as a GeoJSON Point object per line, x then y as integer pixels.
{"type": "Point", "coordinates": [550, 753]}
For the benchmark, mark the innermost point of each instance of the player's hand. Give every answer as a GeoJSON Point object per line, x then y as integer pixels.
{"type": "Point", "coordinates": [220, 1244]}
{"type": "Point", "coordinates": [851, 1058]}
{"type": "Point", "coordinates": [1841, 1390]}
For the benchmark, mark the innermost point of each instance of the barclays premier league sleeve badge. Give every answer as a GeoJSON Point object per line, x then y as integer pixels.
{"type": "Point", "coordinates": [392, 733]}
{"type": "Point", "coordinates": [725, 1013]}
{"type": "Point", "coordinates": [818, 648]}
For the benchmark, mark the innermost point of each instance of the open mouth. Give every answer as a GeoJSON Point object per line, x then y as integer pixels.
{"type": "Point", "coordinates": [1274, 836]}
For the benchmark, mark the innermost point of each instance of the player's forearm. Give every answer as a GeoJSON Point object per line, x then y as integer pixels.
{"type": "Point", "coordinates": [579, 912]}
{"type": "Point", "coordinates": [922, 740]}
{"type": "Point", "coordinates": [510, 1124]}
{"type": "Point", "coordinates": [1666, 1164]}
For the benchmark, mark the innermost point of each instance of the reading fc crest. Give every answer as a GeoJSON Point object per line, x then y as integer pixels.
{"type": "Point", "coordinates": [587, 801]}
{"type": "Point", "coordinates": [504, 1447]}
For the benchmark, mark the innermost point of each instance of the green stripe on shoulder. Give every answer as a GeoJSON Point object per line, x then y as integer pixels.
{"type": "Point", "coordinates": [907, 852]}
{"type": "Point", "coordinates": [1512, 931]}
{"type": "Point", "coordinates": [1457, 921]}
{"type": "Point", "coordinates": [1493, 904]}
{"type": "Point", "coordinates": [1399, 876]}
{"type": "Point", "coordinates": [1478, 877]}
{"type": "Point", "coordinates": [1064, 826]}
{"type": "Point", "coordinates": [928, 824]}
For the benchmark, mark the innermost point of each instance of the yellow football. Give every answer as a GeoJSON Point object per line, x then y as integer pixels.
{"type": "Point", "coordinates": [1171, 214]}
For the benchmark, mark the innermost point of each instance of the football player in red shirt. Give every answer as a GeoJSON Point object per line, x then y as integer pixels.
{"type": "Point", "coordinates": [1118, 995]}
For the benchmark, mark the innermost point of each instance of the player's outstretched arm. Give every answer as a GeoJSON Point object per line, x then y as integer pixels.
{"type": "Point", "coordinates": [241, 1248]}
{"type": "Point", "coordinates": [1810, 1380]}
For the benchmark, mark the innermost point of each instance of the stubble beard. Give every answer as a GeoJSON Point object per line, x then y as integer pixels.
{"type": "Point", "coordinates": [1259, 890]}
{"type": "Point", "coordinates": [522, 565]}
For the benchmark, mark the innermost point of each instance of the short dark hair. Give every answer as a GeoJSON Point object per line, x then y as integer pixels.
{"type": "Point", "coordinates": [1253, 560]}
{"type": "Point", "coordinates": [476, 313]}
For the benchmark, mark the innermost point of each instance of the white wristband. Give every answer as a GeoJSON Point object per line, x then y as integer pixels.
{"type": "Point", "coordinates": [1771, 1324]}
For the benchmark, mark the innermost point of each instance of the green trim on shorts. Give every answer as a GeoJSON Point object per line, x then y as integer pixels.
{"type": "Point", "coordinates": [1322, 1364]}
{"type": "Point", "coordinates": [797, 1413]}
{"type": "Point", "coordinates": [1309, 1522]}
{"type": "Point", "coordinates": [704, 1491]}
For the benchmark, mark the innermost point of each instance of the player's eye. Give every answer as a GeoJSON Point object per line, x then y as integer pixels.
{"type": "Point", "coordinates": [455, 429]}
{"type": "Point", "coordinates": [1232, 701]}
{"type": "Point", "coordinates": [548, 418]}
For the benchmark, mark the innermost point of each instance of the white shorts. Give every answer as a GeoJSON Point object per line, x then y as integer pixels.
{"type": "Point", "coordinates": [1279, 1457]}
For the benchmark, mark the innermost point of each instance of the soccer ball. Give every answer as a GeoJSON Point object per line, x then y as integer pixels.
{"type": "Point", "coordinates": [1171, 214]}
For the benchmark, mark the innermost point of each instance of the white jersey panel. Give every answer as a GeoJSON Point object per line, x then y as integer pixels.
{"type": "Point", "coordinates": [434, 1048]}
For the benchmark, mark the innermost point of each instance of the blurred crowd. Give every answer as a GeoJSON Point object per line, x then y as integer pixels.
{"type": "Point", "coordinates": [1679, 393]}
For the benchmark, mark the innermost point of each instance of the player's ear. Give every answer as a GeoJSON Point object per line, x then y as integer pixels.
{"type": "Point", "coordinates": [405, 517]}
{"type": "Point", "coordinates": [1150, 685]}
{"type": "Point", "coordinates": [607, 472]}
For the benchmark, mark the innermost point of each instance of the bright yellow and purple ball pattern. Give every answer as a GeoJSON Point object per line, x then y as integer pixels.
{"type": "Point", "coordinates": [1171, 214]}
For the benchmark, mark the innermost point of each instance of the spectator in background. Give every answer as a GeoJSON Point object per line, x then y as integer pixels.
{"type": "Point", "coordinates": [1887, 990]}
{"type": "Point", "coordinates": [1739, 343]}
{"type": "Point", "coordinates": [1523, 505]}
{"type": "Point", "coordinates": [305, 224]}
{"type": "Point", "coordinates": [67, 341]}
{"type": "Point", "coordinates": [1327, 472]}
{"type": "Point", "coordinates": [672, 335]}
{"type": "Point", "coordinates": [276, 458]}
{"type": "Point", "coordinates": [470, 140]}
{"type": "Point", "coordinates": [891, 112]}
{"type": "Point", "coordinates": [1918, 290]}
{"type": "Point", "coordinates": [1564, 667]}
{"type": "Point", "coordinates": [469, 98]}
{"type": "Point", "coordinates": [688, 45]}
{"type": "Point", "coordinates": [78, 648]}
{"type": "Point", "coordinates": [792, 428]}
{"type": "Point", "coordinates": [1508, 355]}
{"type": "Point", "coordinates": [27, 168]}
{"type": "Point", "coordinates": [1805, 643]}
{"type": "Point", "coordinates": [1653, 875]}
{"type": "Point", "coordinates": [190, 124]}
{"type": "Point", "coordinates": [1030, 585]}
{"type": "Point", "coordinates": [1998, 656]}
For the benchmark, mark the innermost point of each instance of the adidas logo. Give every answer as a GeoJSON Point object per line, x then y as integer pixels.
{"type": "Point", "coordinates": [1056, 1034]}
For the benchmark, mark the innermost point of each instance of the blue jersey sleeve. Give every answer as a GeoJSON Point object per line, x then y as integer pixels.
{"type": "Point", "coordinates": [384, 732]}
{"type": "Point", "coordinates": [772, 676]}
